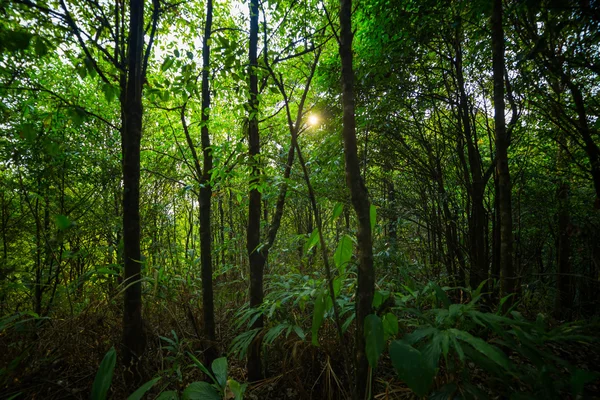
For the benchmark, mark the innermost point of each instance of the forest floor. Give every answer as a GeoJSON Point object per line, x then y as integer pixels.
{"type": "Point", "coordinates": [59, 358]}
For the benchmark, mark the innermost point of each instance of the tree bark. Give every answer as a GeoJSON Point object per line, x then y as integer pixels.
{"type": "Point", "coordinates": [360, 200]}
{"type": "Point", "coordinates": [564, 294]}
{"type": "Point", "coordinates": [255, 255]}
{"type": "Point", "coordinates": [507, 283]}
{"type": "Point", "coordinates": [210, 350]}
{"type": "Point", "coordinates": [133, 338]}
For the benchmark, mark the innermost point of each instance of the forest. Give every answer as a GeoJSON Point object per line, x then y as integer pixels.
{"type": "Point", "coordinates": [299, 199]}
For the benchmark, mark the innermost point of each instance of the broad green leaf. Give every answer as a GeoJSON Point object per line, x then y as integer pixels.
{"type": "Point", "coordinates": [411, 367]}
{"type": "Point", "coordinates": [167, 64]}
{"type": "Point", "coordinates": [219, 368]}
{"type": "Point", "coordinates": [110, 92]}
{"type": "Point", "coordinates": [390, 325]}
{"type": "Point", "coordinates": [237, 389]}
{"type": "Point", "coordinates": [419, 334]}
{"type": "Point", "coordinates": [62, 222]}
{"type": "Point", "coordinates": [89, 65]}
{"type": "Point", "coordinates": [201, 366]}
{"type": "Point", "coordinates": [104, 375]}
{"type": "Point", "coordinates": [441, 296]}
{"type": "Point", "coordinates": [138, 394]}
{"type": "Point", "coordinates": [312, 240]}
{"type": "Point", "coordinates": [445, 343]}
{"type": "Point", "coordinates": [432, 350]}
{"type": "Point", "coordinates": [299, 332]}
{"type": "Point", "coordinates": [168, 395]}
{"type": "Point", "coordinates": [377, 299]}
{"type": "Point", "coordinates": [491, 352]}
{"type": "Point", "coordinates": [40, 47]}
{"type": "Point", "coordinates": [318, 314]}
{"type": "Point", "coordinates": [373, 338]}
{"type": "Point", "coordinates": [343, 253]}
{"type": "Point", "coordinates": [337, 210]}
{"type": "Point", "coordinates": [373, 216]}
{"type": "Point", "coordinates": [201, 391]}
{"type": "Point", "coordinates": [337, 286]}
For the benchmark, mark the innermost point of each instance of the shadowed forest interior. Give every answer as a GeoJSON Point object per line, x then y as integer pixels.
{"type": "Point", "coordinates": [299, 199]}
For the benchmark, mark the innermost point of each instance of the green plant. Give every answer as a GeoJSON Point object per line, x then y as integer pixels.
{"type": "Point", "coordinates": [220, 386]}
{"type": "Point", "coordinates": [104, 376]}
{"type": "Point", "coordinates": [176, 355]}
{"type": "Point", "coordinates": [454, 334]}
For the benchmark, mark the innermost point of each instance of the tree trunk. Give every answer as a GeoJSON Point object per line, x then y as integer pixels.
{"type": "Point", "coordinates": [360, 200]}
{"type": "Point", "coordinates": [210, 351]}
{"type": "Point", "coordinates": [133, 338]}
{"type": "Point", "coordinates": [507, 284]}
{"type": "Point", "coordinates": [564, 294]}
{"type": "Point", "coordinates": [255, 255]}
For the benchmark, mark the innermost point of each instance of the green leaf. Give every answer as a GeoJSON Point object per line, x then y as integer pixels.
{"type": "Point", "coordinates": [441, 296]}
{"type": "Point", "coordinates": [168, 395]}
{"type": "Point", "coordinates": [237, 389]}
{"type": "Point", "coordinates": [299, 332]}
{"type": "Point", "coordinates": [318, 314]}
{"type": "Point", "coordinates": [81, 71]}
{"type": "Point", "coordinates": [377, 299]}
{"type": "Point", "coordinates": [167, 64]}
{"type": "Point", "coordinates": [40, 47]}
{"type": "Point", "coordinates": [138, 394]}
{"type": "Point", "coordinates": [201, 366]}
{"type": "Point", "coordinates": [419, 334]}
{"type": "Point", "coordinates": [201, 391]}
{"type": "Point", "coordinates": [411, 367]}
{"type": "Point", "coordinates": [491, 352]}
{"type": "Point", "coordinates": [373, 216]}
{"type": "Point", "coordinates": [312, 240]}
{"type": "Point", "coordinates": [219, 367]}
{"type": "Point", "coordinates": [373, 338]}
{"type": "Point", "coordinates": [343, 253]}
{"type": "Point", "coordinates": [390, 325]}
{"type": "Point", "coordinates": [337, 286]}
{"type": "Point", "coordinates": [62, 222]}
{"type": "Point", "coordinates": [337, 210]}
{"type": "Point", "coordinates": [432, 350]}
{"type": "Point", "coordinates": [104, 375]}
{"type": "Point", "coordinates": [28, 132]}
{"type": "Point", "coordinates": [109, 92]}
{"type": "Point", "coordinates": [89, 65]}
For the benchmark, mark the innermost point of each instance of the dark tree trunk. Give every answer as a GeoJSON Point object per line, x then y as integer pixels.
{"type": "Point", "coordinates": [475, 179]}
{"type": "Point", "coordinates": [210, 351]}
{"type": "Point", "coordinates": [133, 337]}
{"type": "Point", "coordinates": [508, 281]}
{"type": "Point", "coordinates": [360, 200]}
{"type": "Point", "coordinates": [564, 293]}
{"type": "Point", "coordinates": [256, 256]}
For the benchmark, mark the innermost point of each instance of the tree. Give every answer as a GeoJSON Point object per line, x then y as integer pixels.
{"type": "Point", "coordinates": [360, 200]}
{"type": "Point", "coordinates": [255, 253]}
{"type": "Point", "coordinates": [504, 188]}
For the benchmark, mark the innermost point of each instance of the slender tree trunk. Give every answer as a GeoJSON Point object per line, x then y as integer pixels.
{"type": "Point", "coordinates": [210, 351]}
{"type": "Point", "coordinates": [507, 285]}
{"type": "Point", "coordinates": [133, 335]}
{"type": "Point", "coordinates": [564, 294]}
{"type": "Point", "coordinates": [255, 255]}
{"type": "Point", "coordinates": [360, 201]}
{"type": "Point", "coordinates": [474, 178]}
